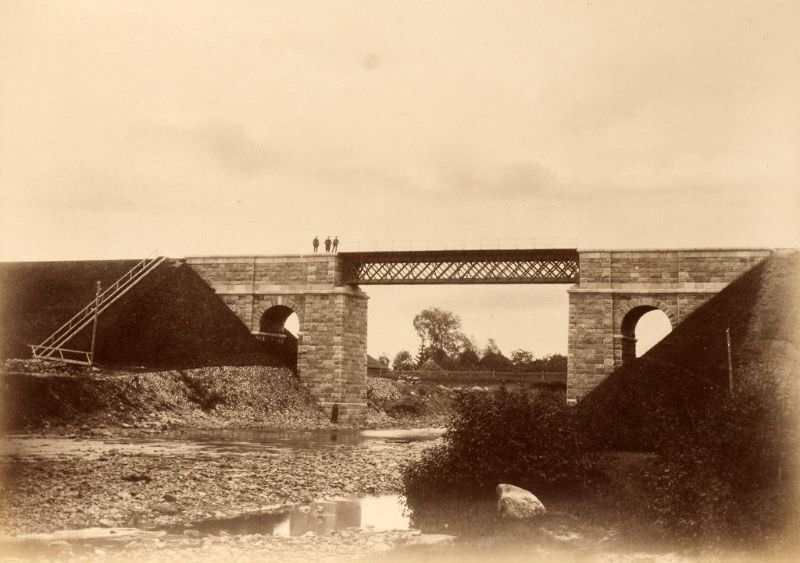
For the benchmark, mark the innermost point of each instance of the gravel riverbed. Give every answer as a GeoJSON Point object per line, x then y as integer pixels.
{"type": "Point", "coordinates": [52, 483]}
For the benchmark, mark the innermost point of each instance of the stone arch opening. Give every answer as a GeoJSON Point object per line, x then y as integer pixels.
{"type": "Point", "coordinates": [279, 330]}
{"type": "Point", "coordinates": [638, 337]}
{"type": "Point", "coordinates": [274, 318]}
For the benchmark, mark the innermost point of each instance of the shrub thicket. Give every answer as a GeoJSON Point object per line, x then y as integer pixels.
{"type": "Point", "coordinates": [725, 475]}
{"type": "Point", "coordinates": [516, 437]}
{"type": "Point", "coordinates": [726, 467]}
{"type": "Point", "coordinates": [732, 477]}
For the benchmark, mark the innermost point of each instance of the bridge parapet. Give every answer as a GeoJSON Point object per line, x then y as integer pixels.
{"type": "Point", "coordinates": [246, 274]}
{"type": "Point", "coordinates": [682, 269]}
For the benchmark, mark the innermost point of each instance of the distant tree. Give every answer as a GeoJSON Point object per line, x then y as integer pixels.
{"type": "Point", "coordinates": [423, 354]}
{"type": "Point", "coordinates": [551, 363]}
{"type": "Point", "coordinates": [491, 348]}
{"type": "Point", "coordinates": [495, 362]}
{"type": "Point", "coordinates": [439, 331]}
{"type": "Point", "coordinates": [384, 359]}
{"type": "Point", "coordinates": [493, 359]}
{"type": "Point", "coordinates": [468, 359]}
{"type": "Point", "coordinates": [521, 359]}
{"type": "Point", "coordinates": [403, 361]}
{"type": "Point", "coordinates": [468, 356]}
{"type": "Point", "coordinates": [557, 362]}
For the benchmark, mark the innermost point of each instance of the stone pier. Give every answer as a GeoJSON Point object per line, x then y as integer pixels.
{"type": "Point", "coordinates": [264, 291]}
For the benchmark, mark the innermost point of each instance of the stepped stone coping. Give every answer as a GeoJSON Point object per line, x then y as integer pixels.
{"type": "Point", "coordinates": [259, 259]}
{"type": "Point", "coordinates": [310, 289]}
{"type": "Point", "coordinates": [649, 289]}
{"type": "Point", "coordinates": [715, 250]}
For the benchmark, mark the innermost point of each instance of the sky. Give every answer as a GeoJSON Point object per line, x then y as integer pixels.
{"type": "Point", "coordinates": [234, 127]}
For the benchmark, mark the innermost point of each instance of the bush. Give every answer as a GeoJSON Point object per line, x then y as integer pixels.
{"type": "Point", "coordinates": [731, 479]}
{"type": "Point", "coordinates": [407, 406]}
{"type": "Point", "coordinates": [201, 393]}
{"type": "Point", "coordinates": [532, 441]}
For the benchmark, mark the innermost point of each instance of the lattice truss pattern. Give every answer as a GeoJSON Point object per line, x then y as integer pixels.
{"type": "Point", "coordinates": [544, 270]}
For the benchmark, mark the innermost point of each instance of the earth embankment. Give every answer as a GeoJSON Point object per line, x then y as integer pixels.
{"type": "Point", "coordinates": [171, 319]}
{"type": "Point", "coordinates": [37, 393]}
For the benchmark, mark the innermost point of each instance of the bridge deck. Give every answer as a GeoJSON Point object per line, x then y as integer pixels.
{"type": "Point", "coordinates": [461, 267]}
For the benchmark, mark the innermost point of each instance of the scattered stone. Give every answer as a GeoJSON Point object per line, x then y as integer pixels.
{"type": "Point", "coordinates": [165, 507]}
{"type": "Point", "coordinates": [517, 503]}
{"type": "Point", "coordinates": [169, 498]}
{"type": "Point", "coordinates": [105, 523]}
{"type": "Point", "coordinates": [136, 477]}
{"type": "Point", "coordinates": [433, 539]}
{"type": "Point", "coordinates": [564, 535]}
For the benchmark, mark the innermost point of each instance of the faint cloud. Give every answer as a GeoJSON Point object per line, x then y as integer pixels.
{"type": "Point", "coordinates": [371, 61]}
{"type": "Point", "coordinates": [83, 189]}
{"type": "Point", "coordinates": [520, 179]}
{"type": "Point", "coordinates": [229, 143]}
{"type": "Point", "coordinates": [528, 178]}
{"type": "Point", "coordinates": [236, 149]}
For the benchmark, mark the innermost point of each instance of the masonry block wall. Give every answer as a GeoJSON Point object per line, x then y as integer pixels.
{"type": "Point", "coordinates": [332, 354]}
{"type": "Point", "coordinates": [332, 343]}
{"type": "Point", "coordinates": [617, 287]}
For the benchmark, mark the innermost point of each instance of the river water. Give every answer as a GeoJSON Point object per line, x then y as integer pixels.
{"type": "Point", "coordinates": [210, 442]}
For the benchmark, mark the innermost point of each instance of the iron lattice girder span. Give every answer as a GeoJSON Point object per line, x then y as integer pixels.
{"type": "Point", "coordinates": [461, 267]}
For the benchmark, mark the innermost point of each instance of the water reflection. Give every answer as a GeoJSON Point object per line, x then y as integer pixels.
{"type": "Point", "coordinates": [377, 513]}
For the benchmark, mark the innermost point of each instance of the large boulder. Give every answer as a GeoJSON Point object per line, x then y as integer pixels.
{"type": "Point", "coordinates": [517, 503]}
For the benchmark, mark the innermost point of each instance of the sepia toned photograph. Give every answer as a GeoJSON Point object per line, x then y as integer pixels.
{"type": "Point", "coordinates": [399, 281]}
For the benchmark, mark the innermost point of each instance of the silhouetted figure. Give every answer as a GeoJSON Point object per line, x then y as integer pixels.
{"type": "Point", "coordinates": [328, 245]}
{"type": "Point", "coordinates": [315, 243]}
{"type": "Point", "coordinates": [336, 244]}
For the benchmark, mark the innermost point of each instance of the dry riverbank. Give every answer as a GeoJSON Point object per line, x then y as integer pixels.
{"type": "Point", "coordinates": [53, 483]}
{"type": "Point", "coordinates": [85, 483]}
{"type": "Point", "coordinates": [45, 396]}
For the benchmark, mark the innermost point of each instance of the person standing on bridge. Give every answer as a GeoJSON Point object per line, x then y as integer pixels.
{"type": "Point", "coordinates": [315, 242]}
{"type": "Point", "coordinates": [336, 244]}
{"type": "Point", "coordinates": [328, 245]}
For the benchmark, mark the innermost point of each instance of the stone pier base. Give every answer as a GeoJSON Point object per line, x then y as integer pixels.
{"type": "Point", "coordinates": [345, 413]}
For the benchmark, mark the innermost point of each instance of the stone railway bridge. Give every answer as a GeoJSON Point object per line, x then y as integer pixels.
{"type": "Point", "coordinates": [609, 291]}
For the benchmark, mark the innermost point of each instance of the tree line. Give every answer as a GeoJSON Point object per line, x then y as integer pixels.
{"type": "Point", "coordinates": [443, 342]}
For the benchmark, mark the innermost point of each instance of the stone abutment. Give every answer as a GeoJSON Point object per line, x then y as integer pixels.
{"type": "Point", "coordinates": [617, 287]}
{"type": "Point", "coordinates": [332, 339]}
